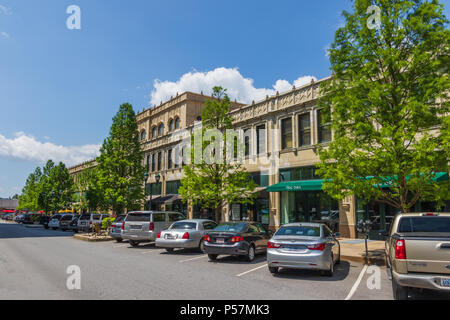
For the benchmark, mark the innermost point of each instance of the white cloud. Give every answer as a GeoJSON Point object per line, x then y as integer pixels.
{"type": "Point", "coordinates": [238, 87]}
{"type": "Point", "coordinates": [26, 147]}
{"type": "Point", "coordinates": [4, 35]}
{"type": "Point", "coordinates": [5, 10]}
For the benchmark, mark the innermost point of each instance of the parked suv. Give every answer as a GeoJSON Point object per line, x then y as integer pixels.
{"type": "Point", "coordinates": [64, 224]}
{"type": "Point", "coordinates": [87, 220]}
{"type": "Point", "coordinates": [418, 252]}
{"type": "Point", "coordinates": [143, 226]}
{"type": "Point", "coordinates": [115, 231]}
{"type": "Point", "coordinates": [54, 221]}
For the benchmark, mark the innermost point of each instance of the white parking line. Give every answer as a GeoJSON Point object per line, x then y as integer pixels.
{"type": "Point", "coordinates": [152, 251]}
{"type": "Point", "coordinates": [241, 274]}
{"type": "Point", "coordinates": [356, 285]}
{"type": "Point", "coordinates": [196, 258]}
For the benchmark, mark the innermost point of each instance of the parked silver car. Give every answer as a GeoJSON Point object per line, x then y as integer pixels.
{"type": "Point", "coordinates": [185, 234]}
{"type": "Point", "coordinates": [86, 221]}
{"type": "Point", "coordinates": [304, 246]}
{"type": "Point", "coordinates": [115, 230]}
{"type": "Point", "coordinates": [143, 226]}
{"type": "Point", "coordinates": [54, 221]}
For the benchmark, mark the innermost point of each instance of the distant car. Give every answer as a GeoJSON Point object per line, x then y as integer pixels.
{"type": "Point", "coordinates": [28, 218]}
{"type": "Point", "coordinates": [239, 238]}
{"type": "Point", "coordinates": [87, 220]}
{"type": "Point", "coordinates": [19, 218]}
{"type": "Point", "coordinates": [143, 226]}
{"type": "Point", "coordinates": [115, 230]}
{"type": "Point", "coordinates": [54, 221]}
{"type": "Point", "coordinates": [44, 220]}
{"type": "Point", "coordinates": [304, 246]}
{"type": "Point", "coordinates": [64, 223]}
{"type": "Point", "coordinates": [73, 225]}
{"type": "Point", "coordinates": [185, 234]}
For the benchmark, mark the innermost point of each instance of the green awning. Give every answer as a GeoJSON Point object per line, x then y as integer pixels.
{"type": "Point", "coordinates": [438, 177]}
{"type": "Point", "coordinates": [315, 185]}
{"type": "Point", "coordinates": [302, 185]}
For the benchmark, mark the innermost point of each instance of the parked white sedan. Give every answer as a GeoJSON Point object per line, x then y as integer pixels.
{"type": "Point", "coordinates": [185, 234]}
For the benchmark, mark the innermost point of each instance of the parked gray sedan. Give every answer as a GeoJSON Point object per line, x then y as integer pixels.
{"type": "Point", "coordinates": [304, 246]}
{"type": "Point", "coordinates": [184, 234]}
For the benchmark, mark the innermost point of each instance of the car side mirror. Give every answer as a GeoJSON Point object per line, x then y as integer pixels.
{"type": "Point", "coordinates": [337, 235]}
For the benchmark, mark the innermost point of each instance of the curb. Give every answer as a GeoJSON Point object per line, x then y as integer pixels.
{"type": "Point", "coordinates": [88, 239]}
{"type": "Point", "coordinates": [371, 260]}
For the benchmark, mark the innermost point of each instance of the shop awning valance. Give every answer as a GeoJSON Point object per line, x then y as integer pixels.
{"type": "Point", "coordinates": [438, 177]}
{"type": "Point", "coordinates": [316, 185]}
{"type": "Point", "coordinates": [302, 185]}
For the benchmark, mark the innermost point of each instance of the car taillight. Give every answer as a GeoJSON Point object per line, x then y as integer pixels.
{"type": "Point", "coordinates": [152, 226]}
{"type": "Point", "coordinates": [400, 250]}
{"type": "Point", "coordinates": [271, 245]}
{"type": "Point", "coordinates": [207, 238]}
{"type": "Point", "coordinates": [186, 235]}
{"type": "Point", "coordinates": [123, 225]}
{"type": "Point", "coordinates": [237, 239]}
{"type": "Point", "coordinates": [113, 226]}
{"type": "Point", "coordinates": [159, 235]}
{"type": "Point", "coordinates": [90, 222]}
{"type": "Point", "coordinates": [318, 247]}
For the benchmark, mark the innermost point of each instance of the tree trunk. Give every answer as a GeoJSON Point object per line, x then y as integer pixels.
{"type": "Point", "coordinates": [219, 214]}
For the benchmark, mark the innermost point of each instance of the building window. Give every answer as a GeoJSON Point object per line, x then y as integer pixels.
{"type": "Point", "coordinates": [247, 139]}
{"type": "Point", "coordinates": [143, 135]}
{"type": "Point", "coordinates": [172, 187]}
{"type": "Point", "coordinates": [304, 129]}
{"type": "Point", "coordinates": [161, 129]}
{"type": "Point", "coordinates": [148, 163]}
{"type": "Point", "coordinates": [261, 139]}
{"type": "Point", "coordinates": [297, 174]}
{"type": "Point", "coordinates": [159, 160]}
{"type": "Point", "coordinates": [324, 128]}
{"type": "Point", "coordinates": [169, 159]}
{"type": "Point", "coordinates": [154, 132]}
{"type": "Point", "coordinates": [153, 163]}
{"type": "Point", "coordinates": [261, 179]}
{"type": "Point", "coordinates": [177, 123]}
{"type": "Point", "coordinates": [171, 125]}
{"type": "Point", "coordinates": [154, 187]}
{"type": "Point", "coordinates": [286, 133]}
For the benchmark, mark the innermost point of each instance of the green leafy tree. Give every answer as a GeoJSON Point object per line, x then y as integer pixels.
{"type": "Point", "coordinates": [88, 195]}
{"type": "Point", "coordinates": [61, 186]}
{"type": "Point", "coordinates": [120, 167]}
{"type": "Point", "coordinates": [45, 200]}
{"type": "Point", "coordinates": [388, 105]}
{"type": "Point", "coordinates": [212, 184]}
{"type": "Point", "coordinates": [30, 192]}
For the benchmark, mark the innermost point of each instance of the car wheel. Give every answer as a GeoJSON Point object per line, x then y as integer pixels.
{"type": "Point", "coordinates": [170, 250]}
{"type": "Point", "coordinates": [119, 239]}
{"type": "Point", "coordinates": [134, 243]}
{"type": "Point", "coordinates": [201, 246]}
{"type": "Point", "coordinates": [400, 292]}
{"type": "Point", "coordinates": [273, 270]}
{"type": "Point", "coordinates": [212, 257]}
{"type": "Point", "coordinates": [250, 253]}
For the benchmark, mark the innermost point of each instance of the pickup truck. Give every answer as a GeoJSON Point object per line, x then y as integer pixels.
{"type": "Point", "coordinates": [418, 252]}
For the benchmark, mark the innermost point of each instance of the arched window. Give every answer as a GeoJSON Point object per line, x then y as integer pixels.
{"type": "Point", "coordinates": [154, 132]}
{"type": "Point", "coordinates": [177, 123]}
{"type": "Point", "coordinates": [161, 129]}
{"type": "Point", "coordinates": [171, 125]}
{"type": "Point", "coordinates": [143, 135]}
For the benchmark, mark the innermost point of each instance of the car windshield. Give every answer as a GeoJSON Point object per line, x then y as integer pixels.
{"type": "Point", "coordinates": [184, 225]}
{"type": "Point", "coordinates": [424, 224]}
{"type": "Point", "coordinates": [143, 217]}
{"type": "Point", "coordinates": [231, 227]}
{"type": "Point", "coordinates": [306, 231]}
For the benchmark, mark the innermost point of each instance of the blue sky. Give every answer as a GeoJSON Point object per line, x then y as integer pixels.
{"type": "Point", "coordinates": [59, 88]}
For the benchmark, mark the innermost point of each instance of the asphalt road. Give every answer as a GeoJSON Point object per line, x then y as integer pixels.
{"type": "Point", "coordinates": [34, 262]}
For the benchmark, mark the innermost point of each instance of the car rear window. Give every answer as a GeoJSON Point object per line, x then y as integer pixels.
{"type": "Point", "coordinates": [96, 217]}
{"type": "Point", "coordinates": [299, 231]}
{"type": "Point", "coordinates": [184, 225]}
{"type": "Point", "coordinates": [138, 217]}
{"type": "Point", "coordinates": [66, 218]}
{"type": "Point", "coordinates": [57, 216]}
{"type": "Point", "coordinates": [424, 224]}
{"type": "Point", "coordinates": [85, 217]}
{"type": "Point", "coordinates": [231, 227]}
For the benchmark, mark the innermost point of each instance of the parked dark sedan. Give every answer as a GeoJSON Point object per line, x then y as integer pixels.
{"type": "Point", "coordinates": [43, 220]}
{"type": "Point", "coordinates": [28, 218]}
{"type": "Point", "coordinates": [237, 238]}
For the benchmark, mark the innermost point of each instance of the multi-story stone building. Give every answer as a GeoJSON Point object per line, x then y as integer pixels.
{"type": "Point", "coordinates": [281, 135]}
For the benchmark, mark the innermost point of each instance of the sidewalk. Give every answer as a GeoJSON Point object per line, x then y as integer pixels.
{"type": "Point", "coordinates": [354, 250]}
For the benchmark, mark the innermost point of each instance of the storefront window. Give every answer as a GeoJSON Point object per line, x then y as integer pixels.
{"type": "Point", "coordinates": [309, 206]}
{"type": "Point", "coordinates": [261, 179]}
{"type": "Point", "coordinates": [172, 187]}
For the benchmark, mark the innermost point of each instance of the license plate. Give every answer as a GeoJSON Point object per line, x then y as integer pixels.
{"type": "Point", "coordinates": [169, 236]}
{"type": "Point", "coordinates": [136, 227]}
{"type": "Point", "coordinates": [220, 240]}
{"type": "Point", "coordinates": [291, 248]}
{"type": "Point", "coordinates": [445, 282]}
